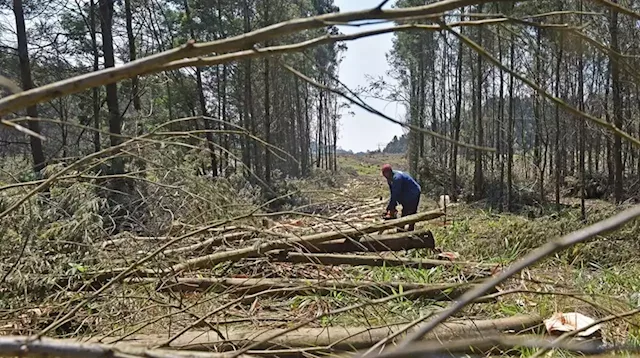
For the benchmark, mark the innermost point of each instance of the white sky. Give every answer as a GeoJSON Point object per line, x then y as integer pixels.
{"type": "Point", "coordinates": [366, 56]}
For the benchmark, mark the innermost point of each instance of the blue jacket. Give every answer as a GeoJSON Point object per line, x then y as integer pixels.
{"type": "Point", "coordinates": [404, 190]}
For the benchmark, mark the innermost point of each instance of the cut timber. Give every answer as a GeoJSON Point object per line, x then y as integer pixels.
{"type": "Point", "coordinates": [27, 346]}
{"type": "Point", "coordinates": [495, 344]}
{"type": "Point", "coordinates": [337, 338]}
{"type": "Point", "coordinates": [242, 286]}
{"type": "Point", "coordinates": [128, 237]}
{"type": "Point", "coordinates": [314, 239]}
{"type": "Point", "coordinates": [376, 243]}
{"type": "Point", "coordinates": [369, 260]}
{"type": "Point", "coordinates": [214, 241]}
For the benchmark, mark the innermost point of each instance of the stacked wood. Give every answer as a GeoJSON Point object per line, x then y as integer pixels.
{"type": "Point", "coordinates": [313, 239]}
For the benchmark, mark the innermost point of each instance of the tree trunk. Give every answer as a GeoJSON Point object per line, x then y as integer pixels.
{"type": "Point", "coordinates": [478, 174]}
{"type": "Point", "coordinates": [37, 153]}
{"type": "Point", "coordinates": [456, 124]}
{"type": "Point", "coordinates": [115, 120]}
{"type": "Point", "coordinates": [581, 166]}
{"type": "Point", "coordinates": [132, 54]}
{"type": "Point", "coordinates": [617, 107]}
{"type": "Point", "coordinates": [510, 128]}
{"type": "Point", "coordinates": [557, 122]}
{"type": "Point", "coordinates": [95, 92]}
{"type": "Point", "coordinates": [203, 103]}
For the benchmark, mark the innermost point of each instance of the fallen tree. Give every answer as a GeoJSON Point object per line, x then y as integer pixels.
{"type": "Point", "coordinates": [26, 346]}
{"type": "Point", "coordinates": [374, 243]}
{"type": "Point", "coordinates": [243, 286]}
{"type": "Point", "coordinates": [368, 260]}
{"type": "Point", "coordinates": [332, 338]}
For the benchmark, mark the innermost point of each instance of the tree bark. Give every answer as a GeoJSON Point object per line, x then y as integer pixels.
{"type": "Point", "coordinates": [115, 120]}
{"type": "Point", "coordinates": [617, 108]}
{"type": "Point", "coordinates": [37, 152]}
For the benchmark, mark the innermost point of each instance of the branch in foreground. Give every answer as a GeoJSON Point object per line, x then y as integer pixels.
{"type": "Point", "coordinates": [578, 113]}
{"type": "Point", "coordinates": [191, 49]}
{"type": "Point", "coordinates": [345, 338]}
{"type": "Point", "coordinates": [25, 346]}
{"type": "Point", "coordinates": [550, 248]}
{"type": "Point", "coordinates": [369, 260]}
{"type": "Point", "coordinates": [243, 286]}
{"type": "Point", "coordinates": [378, 113]}
{"type": "Point", "coordinates": [496, 344]}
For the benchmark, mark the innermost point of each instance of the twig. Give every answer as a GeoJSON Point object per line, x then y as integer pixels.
{"type": "Point", "coordinates": [383, 3]}
{"type": "Point", "coordinates": [551, 247]}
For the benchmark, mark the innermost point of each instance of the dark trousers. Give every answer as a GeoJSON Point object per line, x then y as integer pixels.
{"type": "Point", "coordinates": [410, 208]}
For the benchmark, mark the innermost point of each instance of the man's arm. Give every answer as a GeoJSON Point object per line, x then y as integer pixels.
{"type": "Point", "coordinates": [395, 193]}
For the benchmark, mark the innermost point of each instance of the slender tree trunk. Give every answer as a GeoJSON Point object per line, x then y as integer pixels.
{"type": "Point", "coordinates": [115, 120]}
{"type": "Point", "coordinates": [95, 92]}
{"type": "Point", "coordinates": [617, 107]}
{"type": "Point", "coordinates": [557, 122]}
{"type": "Point", "coordinates": [132, 54]}
{"type": "Point", "coordinates": [37, 153]}
{"type": "Point", "coordinates": [478, 173]}
{"type": "Point", "coordinates": [583, 182]}
{"type": "Point", "coordinates": [203, 103]}
{"type": "Point", "coordinates": [456, 124]}
{"type": "Point", "coordinates": [537, 153]}
{"type": "Point", "coordinates": [510, 129]}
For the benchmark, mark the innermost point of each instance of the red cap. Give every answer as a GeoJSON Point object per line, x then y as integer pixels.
{"type": "Point", "coordinates": [386, 168]}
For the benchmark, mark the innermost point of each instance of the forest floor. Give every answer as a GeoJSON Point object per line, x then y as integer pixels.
{"type": "Point", "coordinates": [225, 287]}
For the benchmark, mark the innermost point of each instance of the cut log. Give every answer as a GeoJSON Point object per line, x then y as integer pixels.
{"type": "Point", "coordinates": [205, 245]}
{"type": "Point", "coordinates": [314, 239]}
{"type": "Point", "coordinates": [27, 346]}
{"type": "Point", "coordinates": [494, 344]}
{"type": "Point", "coordinates": [338, 338]}
{"type": "Point", "coordinates": [247, 286]}
{"type": "Point", "coordinates": [375, 243]}
{"type": "Point", "coordinates": [128, 237]}
{"type": "Point", "coordinates": [369, 260]}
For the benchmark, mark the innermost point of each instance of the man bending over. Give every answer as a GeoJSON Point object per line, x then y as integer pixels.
{"type": "Point", "coordinates": [404, 191]}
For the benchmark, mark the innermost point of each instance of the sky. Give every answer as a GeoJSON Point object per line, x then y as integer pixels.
{"type": "Point", "coordinates": [366, 56]}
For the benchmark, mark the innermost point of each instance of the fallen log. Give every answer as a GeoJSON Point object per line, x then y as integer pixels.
{"type": "Point", "coordinates": [313, 239]}
{"type": "Point", "coordinates": [369, 260]}
{"type": "Point", "coordinates": [494, 344]}
{"type": "Point", "coordinates": [127, 237]}
{"type": "Point", "coordinates": [247, 286]}
{"type": "Point", "coordinates": [334, 338]}
{"type": "Point", "coordinates": [207, 244]}
{"type": "Point", "coordinates": [27, 346]}
{"type": "Point", "coordinates": [375, 243]}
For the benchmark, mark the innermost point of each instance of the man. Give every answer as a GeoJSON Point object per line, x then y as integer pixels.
{"type": "Point", "coordinates": [404, 191]}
